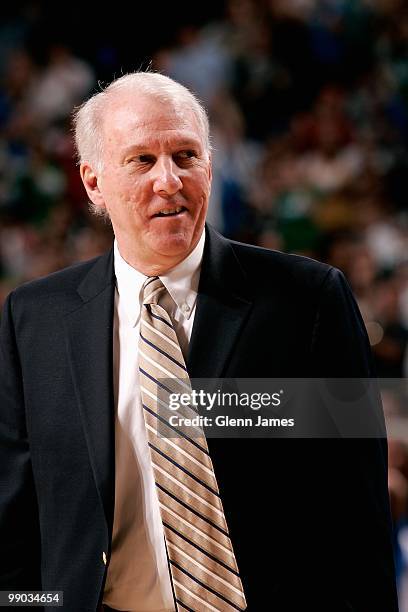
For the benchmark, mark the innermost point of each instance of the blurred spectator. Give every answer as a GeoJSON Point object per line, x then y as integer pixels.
{"type": "Point", "coordinates": [309, 108]}
{"type": "Point", "coordinates": [398, 488]}
{"type": "Point", "coordinates": [63, 83]}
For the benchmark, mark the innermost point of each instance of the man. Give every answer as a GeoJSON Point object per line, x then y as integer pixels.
{"type": "Point", "coordinates": [82, 506]}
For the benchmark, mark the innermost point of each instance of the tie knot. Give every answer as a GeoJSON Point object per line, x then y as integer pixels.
{"type": "Point", "coordinates": [152, 289]}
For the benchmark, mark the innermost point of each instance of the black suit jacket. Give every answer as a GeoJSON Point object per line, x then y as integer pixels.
{"type": "Point", "coordinates": [309, 519]}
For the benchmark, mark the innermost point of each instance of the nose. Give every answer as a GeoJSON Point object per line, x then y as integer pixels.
{"type": "Point", "coordinates": [167, 181]}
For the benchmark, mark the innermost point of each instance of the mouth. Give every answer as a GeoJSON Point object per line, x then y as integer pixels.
{"type": "Point", "coordinates": [171, 212]}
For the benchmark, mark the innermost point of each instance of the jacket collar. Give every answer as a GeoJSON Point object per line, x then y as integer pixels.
{"type": "Point", "coordinates": [89, 333]}
{"type": "Point", "coordinates": [222, 308]}
{"type": "Point", "coordinates": [224, 302]}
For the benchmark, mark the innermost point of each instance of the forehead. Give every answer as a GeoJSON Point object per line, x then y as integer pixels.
{"type": "Point", "coordinates": [148, 120]}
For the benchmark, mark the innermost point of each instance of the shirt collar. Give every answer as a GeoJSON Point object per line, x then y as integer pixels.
{"type": "Point", "coordinates": [181, 282]}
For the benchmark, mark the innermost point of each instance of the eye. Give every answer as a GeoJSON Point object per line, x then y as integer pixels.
{"type": "Point", "coordinates": [142, 160]}
{"type": "Point", "coordinates": [145, 159]}
{"type": "Point", "coordinates": [185, 155]}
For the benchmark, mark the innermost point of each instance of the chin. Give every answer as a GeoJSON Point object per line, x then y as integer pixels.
{"type": "Point", "coordinates": [175, 241]}
{"type": "Point", "coordinates": [175, 245]}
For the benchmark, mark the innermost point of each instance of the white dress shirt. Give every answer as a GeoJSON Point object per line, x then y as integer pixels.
{"type": "Point", "coordinates": [138, 577]}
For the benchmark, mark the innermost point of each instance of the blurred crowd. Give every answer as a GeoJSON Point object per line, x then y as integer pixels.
{"type": "Point", "coordinates": [308, 104]}
{"type": "Point", "coordinates": [308, 101]}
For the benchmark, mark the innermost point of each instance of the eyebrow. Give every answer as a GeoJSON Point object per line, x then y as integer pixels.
{"type": "Point", "coordinates": [138, 147]}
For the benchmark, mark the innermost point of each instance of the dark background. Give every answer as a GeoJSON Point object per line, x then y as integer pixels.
{"type": "Point", "coordinates": [308, 101]}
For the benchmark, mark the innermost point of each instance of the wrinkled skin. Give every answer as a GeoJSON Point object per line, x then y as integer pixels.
{"type": "Point", "coordinates": [154, 159]}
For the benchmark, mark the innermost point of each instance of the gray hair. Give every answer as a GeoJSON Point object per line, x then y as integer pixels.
{"type": "Point", "coordinates": [87, 118]}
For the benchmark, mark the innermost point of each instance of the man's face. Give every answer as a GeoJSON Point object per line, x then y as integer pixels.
{"type": "Point", "coordinates": [155, 182]}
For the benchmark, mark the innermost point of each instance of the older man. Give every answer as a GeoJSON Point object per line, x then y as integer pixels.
{"type": "Point", "coordinates": [93, 501]}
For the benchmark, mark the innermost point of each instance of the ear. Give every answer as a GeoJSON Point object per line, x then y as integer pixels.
{"type": "Point", "coordinates": [91, 183]}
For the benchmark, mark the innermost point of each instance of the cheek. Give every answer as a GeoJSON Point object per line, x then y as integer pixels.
{"type": "Point", "coordinates": [130, 202]}
{"type": "Point", "coordinates": [205, 194]}
{"type": "Point", "coordinates": [122, 197]}
{"type": "Point", "coordinates": [200, 188]}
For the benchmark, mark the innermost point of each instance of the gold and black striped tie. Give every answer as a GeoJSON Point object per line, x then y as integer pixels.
{"type": "Point", "coordinates": [202, 564]}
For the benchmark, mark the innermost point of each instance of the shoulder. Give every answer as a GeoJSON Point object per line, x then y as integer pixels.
{"type": "Point", "coordinates": [60, 289]}
{"type": "Point", "coordinates": [284, 271]}
{"type": "Point", "coordinates": [278, 261]}
{"type": "Point", "coordinates": [264, 272]}
{"type": "Point", "coordinates": [61, 282]}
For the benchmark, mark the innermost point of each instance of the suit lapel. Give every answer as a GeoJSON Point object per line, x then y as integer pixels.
{"type": "Point", "coordinates": [223, 305]}
{"type": "Point", "coordinates": [90, 347]}
{"type": "Point", "coordinates": [222, 308]}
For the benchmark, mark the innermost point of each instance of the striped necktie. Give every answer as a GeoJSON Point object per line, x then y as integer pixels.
{"type": "Point", "coordinates": [202, 564]}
